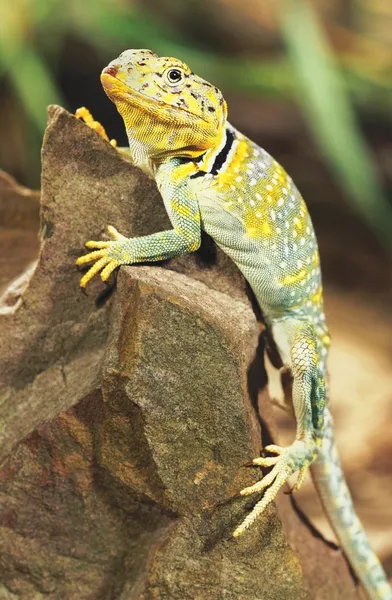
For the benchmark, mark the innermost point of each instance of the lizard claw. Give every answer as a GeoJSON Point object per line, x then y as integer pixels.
{"type": "Point", "coordinates": [115, 234]}
{"type": "Point", "coordinates": [262, 461]}
{"type": "Point", "coordinates": [274, 449]}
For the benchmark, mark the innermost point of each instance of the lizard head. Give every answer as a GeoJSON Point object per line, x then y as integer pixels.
{"type": "Point", "coordinates": [167, 109]}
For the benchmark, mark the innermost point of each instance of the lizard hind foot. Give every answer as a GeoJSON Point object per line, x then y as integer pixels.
{"type": "Point", "coordinates": [294, 459]}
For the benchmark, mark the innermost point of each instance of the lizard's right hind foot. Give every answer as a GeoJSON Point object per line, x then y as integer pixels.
{"type": "Point", "coordinates": [294, 459]}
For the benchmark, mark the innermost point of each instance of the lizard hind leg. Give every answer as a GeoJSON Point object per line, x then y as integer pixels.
{"type": "Point", "coordinates": [299, 351]}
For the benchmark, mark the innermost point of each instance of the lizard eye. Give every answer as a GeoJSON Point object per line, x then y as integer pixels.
{"type": "Point", "coordinates": [174, 76]}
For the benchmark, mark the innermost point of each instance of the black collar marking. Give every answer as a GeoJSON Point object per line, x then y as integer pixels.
{"type": "Point", "coordinates": [220, 158]}
{"type": "Point", "coordinates": [198, 174]}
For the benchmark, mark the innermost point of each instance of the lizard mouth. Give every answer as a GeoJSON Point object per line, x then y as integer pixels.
{"type": "Point", "coordinates": [117, 90]}
{"type": "Point", "coordinates": [112, 85]}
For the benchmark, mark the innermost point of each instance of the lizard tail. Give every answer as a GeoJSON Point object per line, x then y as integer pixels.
{"type": "Point", "coordinates": [336, 499]}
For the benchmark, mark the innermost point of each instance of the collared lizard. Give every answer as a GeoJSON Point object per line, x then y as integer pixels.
{"type": "Point", "coordinates": [212, 177]}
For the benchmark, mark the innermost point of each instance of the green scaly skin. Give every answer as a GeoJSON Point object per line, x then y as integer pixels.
{"type": "Point", "coordinates": [211, 177]}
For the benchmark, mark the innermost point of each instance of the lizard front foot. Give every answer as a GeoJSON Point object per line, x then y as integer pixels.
{"type": "Point", "coordinates": [295, 458]}
{"type": "Point", "coordinates": [85, 115]}
{"type": "Point", "coordinates": [107, 256]}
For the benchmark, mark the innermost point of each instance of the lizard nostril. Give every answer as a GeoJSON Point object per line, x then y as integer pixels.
{"type": "Point", "coordinates": [113, 70]}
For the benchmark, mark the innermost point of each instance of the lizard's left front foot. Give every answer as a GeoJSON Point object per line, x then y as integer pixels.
{"type": "Point", "coordinates": [108, 256]}
{"type": "Point", "coordinates": [295, 458]}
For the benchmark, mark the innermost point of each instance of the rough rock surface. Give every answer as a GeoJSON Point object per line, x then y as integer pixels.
{"type": "Point", "coordinates": [125, 418]}
{"type": "Point", "coordinates": [19, 222]}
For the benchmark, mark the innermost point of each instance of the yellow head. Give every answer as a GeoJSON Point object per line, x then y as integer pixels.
{"type": "Point", "coordinates": [167, 109]}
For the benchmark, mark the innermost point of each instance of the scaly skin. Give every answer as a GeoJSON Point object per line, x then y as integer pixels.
{"type": "Point", "coordinates": [212, 177]}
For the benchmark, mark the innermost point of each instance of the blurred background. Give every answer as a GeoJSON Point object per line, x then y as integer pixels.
{"type": "Point", "coordinates": [311, 81]}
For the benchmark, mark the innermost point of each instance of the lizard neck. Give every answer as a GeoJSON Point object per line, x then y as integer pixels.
{"type": "Point", "coordinates": [207, 162]}
{"type": "Point", "coordinates": [212, 161]}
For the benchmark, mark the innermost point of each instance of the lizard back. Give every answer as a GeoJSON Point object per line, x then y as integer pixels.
{"type": "Point", "coordinates": [248, 192]}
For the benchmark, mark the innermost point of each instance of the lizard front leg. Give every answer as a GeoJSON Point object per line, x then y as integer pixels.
{"type": "Point", "coordinates": [184, 214]}
{"type": "Point", "coordinates": [309, 402]}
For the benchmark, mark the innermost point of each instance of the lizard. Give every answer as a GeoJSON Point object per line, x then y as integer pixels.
{"type": "Point", "coordinates": [212, 177]}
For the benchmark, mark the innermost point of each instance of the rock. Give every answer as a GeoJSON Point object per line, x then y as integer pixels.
{"type": "Point", "coordinates": [19, 206]}
{"type": "Point", "coordinates": [81, 175]}
{"type": "Point", "coordinates": [19, 223]}
{"type": "Point", "coordinates": [125, 418]}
